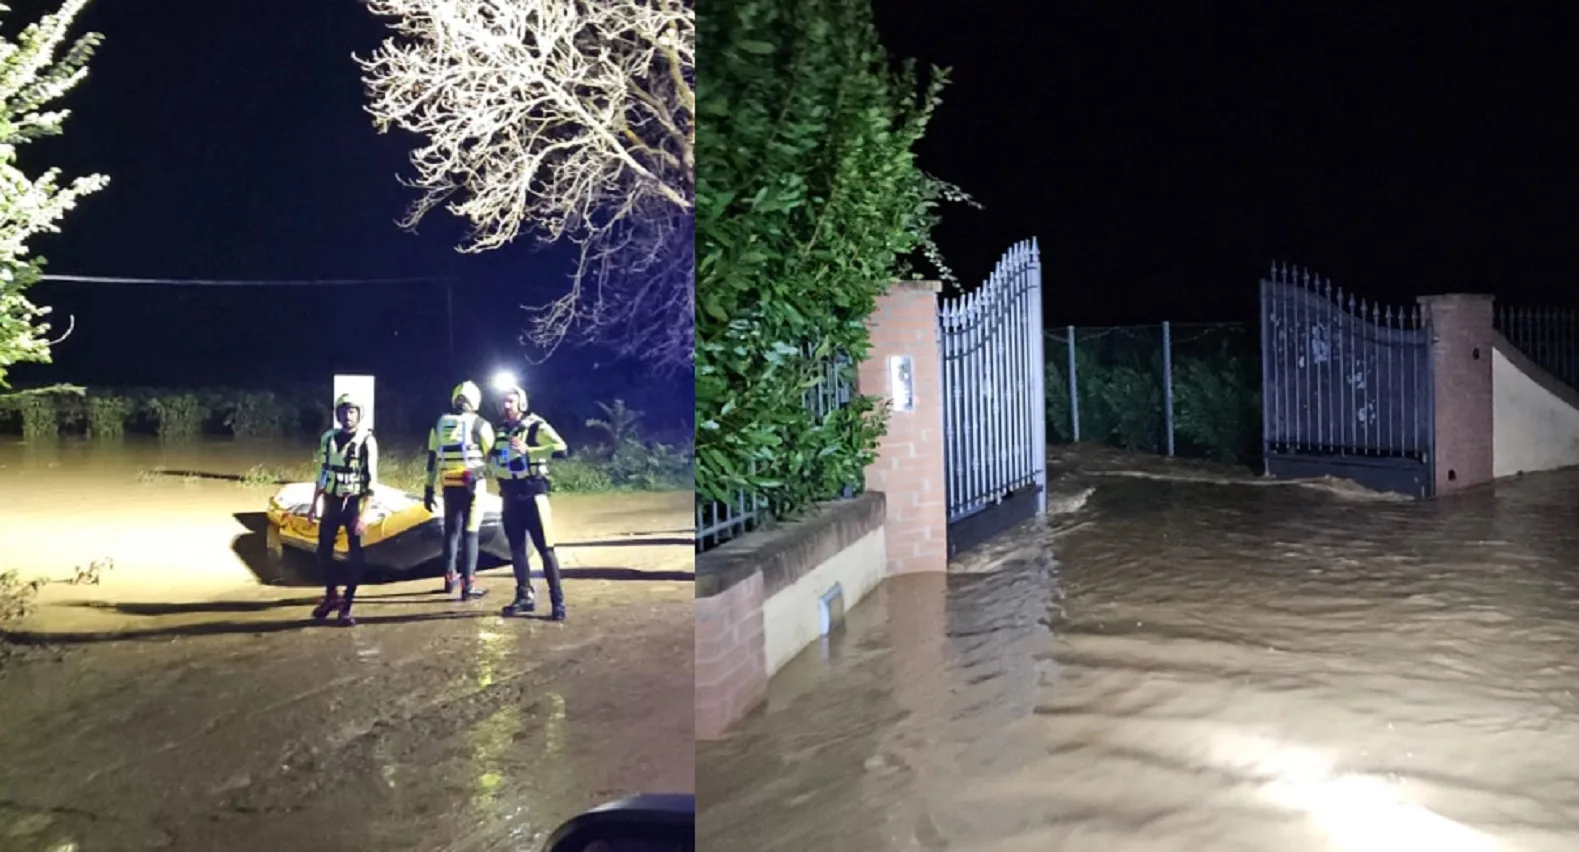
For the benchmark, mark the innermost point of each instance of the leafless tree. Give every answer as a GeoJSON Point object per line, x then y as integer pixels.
{"type": "Point", "coordinates": [567, 119]}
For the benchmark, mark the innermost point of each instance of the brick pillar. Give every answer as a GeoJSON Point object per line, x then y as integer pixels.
{"type": "Point", "coordinates": [909, 465]}
{"type": "Point", "coordinates": [1462, 328]}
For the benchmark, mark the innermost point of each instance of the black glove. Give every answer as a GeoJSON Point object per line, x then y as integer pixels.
{"type": "Point", "coordinates": [427, 498]}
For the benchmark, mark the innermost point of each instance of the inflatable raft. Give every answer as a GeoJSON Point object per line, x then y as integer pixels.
{"type": "Point", "coordinates": [401, 535]}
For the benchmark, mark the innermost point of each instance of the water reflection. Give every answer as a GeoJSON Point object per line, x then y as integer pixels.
{"type": "Point", "coordinates": [1203, 667]}
{"type": "Point", "coordinates": [493, 736]}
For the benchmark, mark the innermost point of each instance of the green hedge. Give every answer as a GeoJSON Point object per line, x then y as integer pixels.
{"type": "Point", "coordinates": [809, 201]}
{"type": "Point", "coordinates": [1216, 401]}
{"type": "Point", "coordinates": [170, 413]}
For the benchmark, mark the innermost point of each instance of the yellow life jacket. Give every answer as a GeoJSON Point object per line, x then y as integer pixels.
{"type": "Point", "coordinates": [460, 449]}
{"type": "Point", "coordinates": [340, 472]}
{"type": "Point", "coordinates": [506, 463]}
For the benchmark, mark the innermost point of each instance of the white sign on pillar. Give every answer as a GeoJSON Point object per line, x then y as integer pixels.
{"type": "Point", "coordinates": [902, 382]}
{"type": "Point", "coordinates": [360, 387]}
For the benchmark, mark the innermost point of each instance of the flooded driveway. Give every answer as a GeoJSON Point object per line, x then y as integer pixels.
{"type": "Point", "coordinates": [1202, 667]}
{"type": "Point", "coordinates": [182, 704]}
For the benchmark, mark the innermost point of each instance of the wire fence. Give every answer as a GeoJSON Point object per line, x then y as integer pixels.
{"type": "Point", "coordinates": [718, 523]}
{"type": "Point", "coordinates": [1186, 389]}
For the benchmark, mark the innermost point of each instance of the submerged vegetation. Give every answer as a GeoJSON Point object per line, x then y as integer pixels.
{"type": "Point", "coordinates": [617, 454]}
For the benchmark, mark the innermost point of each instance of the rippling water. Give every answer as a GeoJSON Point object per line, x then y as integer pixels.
{"type": "Point", "coordinates": [1202, 667]}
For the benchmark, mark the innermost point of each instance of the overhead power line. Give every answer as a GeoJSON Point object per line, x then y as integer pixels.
{"type": "Point", "coordinates": [223, 282]}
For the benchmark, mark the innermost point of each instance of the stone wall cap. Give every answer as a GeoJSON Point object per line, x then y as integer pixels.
{"type": "Point", "coordinates": [784, 552]}
{"type": "Point", "coordinates": [1455, 297]}
{"type": "Point", "coordinates": [920, 286]}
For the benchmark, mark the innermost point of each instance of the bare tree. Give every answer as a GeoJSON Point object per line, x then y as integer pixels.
{"type": "Point", "coordinates": [567, 119]}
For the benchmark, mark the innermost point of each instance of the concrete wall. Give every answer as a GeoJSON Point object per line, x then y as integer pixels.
{"type": "Point", "coordinates": [1535, 424]}
{"type": "Point", "coordinates": [792, 617]}
{"type": "Point", "coordinates": [758, 600]}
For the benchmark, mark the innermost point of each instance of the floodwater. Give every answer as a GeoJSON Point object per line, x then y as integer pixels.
{"type": "Point", "coordinates": [184, 704]}
{"type": "Point", "coordinates": [1188, 665]}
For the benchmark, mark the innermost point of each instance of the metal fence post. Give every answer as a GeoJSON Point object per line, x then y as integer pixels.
{"type": "Point", "coordinates": [1167, 380]}
{"type": "Point", "coordinates": [1074, 388]}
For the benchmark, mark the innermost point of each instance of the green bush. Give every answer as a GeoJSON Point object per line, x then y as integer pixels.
{"type": "Point", "coordinates": [1216, 405]}
{"type": "Point", "coordinates": [179, 416]}
{"type": "Point", "coordinates": [261, 415]}
{"type": "Point", "coordinates": [40, 417]}
{"type": "Point", "coordinates": [651, 467]}
{"type": "Point", "coordinates": [580, 475]}
{"type": "Point", "coordinates": [809, 202]}
{"type": "Point", "coordinates": [107, 417]}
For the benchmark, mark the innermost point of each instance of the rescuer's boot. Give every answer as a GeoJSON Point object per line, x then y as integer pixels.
{"type": "Point", "coordinates": [524, 603]}
{"type": "Point", "coordinates": [322, 610]}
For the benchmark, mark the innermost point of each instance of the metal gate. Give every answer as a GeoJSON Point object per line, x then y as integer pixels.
{"type": "Point", "coordinates": [1346, 386]}
{"type": "Point", "coordinates": [994, 415]}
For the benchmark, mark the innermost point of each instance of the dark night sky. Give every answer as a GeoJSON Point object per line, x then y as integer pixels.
{"type": "Point", "coordinates": [1164, 157]}
{"type": "Point", "coordinates": [237, 148]}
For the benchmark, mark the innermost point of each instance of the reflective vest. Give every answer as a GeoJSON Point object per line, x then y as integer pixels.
{"type": "Point", "coordinates": [505, 463]}
{"type": "Point", "coordinates": [459, 451]}
{"type": "Point", "coordinates": [341, 470]}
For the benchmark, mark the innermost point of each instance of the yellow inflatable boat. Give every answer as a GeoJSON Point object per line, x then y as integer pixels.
{"type": "Point", "coordinates": [401, 535]}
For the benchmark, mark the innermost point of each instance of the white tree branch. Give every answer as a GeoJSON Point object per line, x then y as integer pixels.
{"type": "Point", "coordinates": [558, 117]}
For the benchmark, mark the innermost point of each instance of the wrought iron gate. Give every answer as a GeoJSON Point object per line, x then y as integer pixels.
{"type": "Point", "coordinates": [1346, 386]}
{"type": "Point", "coordinates": [994, 415]}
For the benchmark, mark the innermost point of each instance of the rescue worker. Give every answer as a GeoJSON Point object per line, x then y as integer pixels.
{"type": "Point", "coordinates": [457, 460]}
{"type": "Point", "coordinates": [518, 461]}
{"type": "Point", "coordinates": [347, 469]}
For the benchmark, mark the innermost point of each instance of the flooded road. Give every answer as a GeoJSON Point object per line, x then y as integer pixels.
{"type": "Point", "coordinates": [182, 704]}
{"type": "Point", "coordinates": [1202, 667]}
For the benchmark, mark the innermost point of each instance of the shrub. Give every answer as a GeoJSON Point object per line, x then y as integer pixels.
{"type": "Point", "coordinates": [40, 417]}
{"type": "Point", "coordinates": [16, 596]}
{"type": "Point", "coordinates": [1217, 406]}
{"type": "Point", "coordinates": [179, 416]}
{"type": "Point", "coordinates": [580, 475]}
{"type": "Point", "coordinates": [261, 415]}
{"type": "Point", "coordinates": [651, 467]}
{"type": "Point", "coordinates": [107, 417]}
{"type": "Point", "coordinates": [808, 203]}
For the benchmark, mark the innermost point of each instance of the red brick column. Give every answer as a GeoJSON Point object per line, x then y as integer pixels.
{"type": "Point", "coordinates": [909, 465]}
{"type": "Point", "coordinates": [731, 656]}
{"type": "Point", "coordinates": [1462, 329]}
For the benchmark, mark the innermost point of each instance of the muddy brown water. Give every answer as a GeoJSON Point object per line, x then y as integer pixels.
{"type": "Point", "coordinates": [182, 704]}
{"type": "Point", "coordinates": [1192, 665]}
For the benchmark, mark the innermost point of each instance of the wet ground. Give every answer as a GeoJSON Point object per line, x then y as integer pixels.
{"type": "Point", "coordinates": [182, 704]}
{"type": "Point", "coordinates": [1192, 665]}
